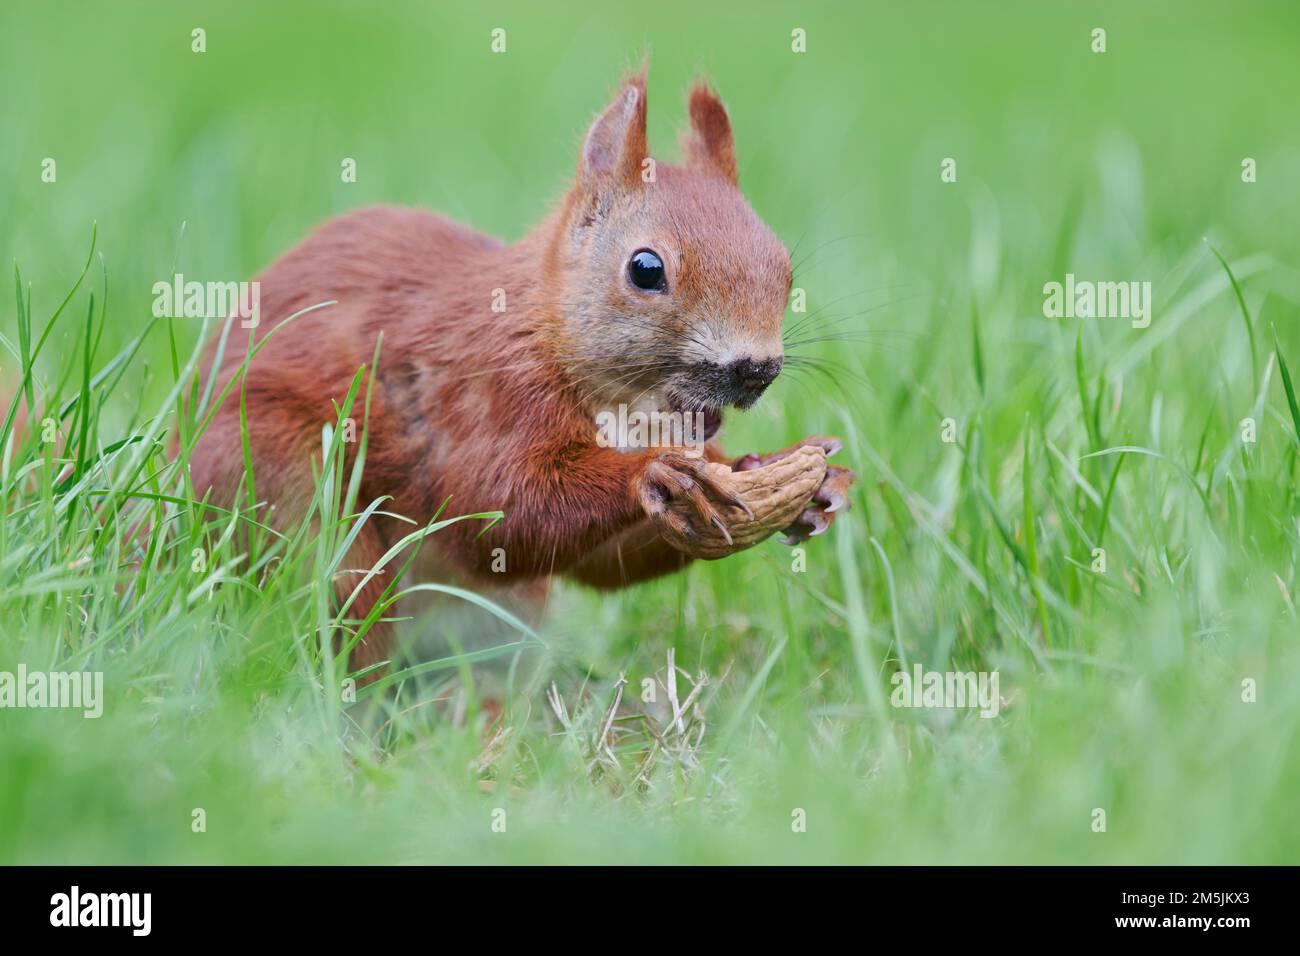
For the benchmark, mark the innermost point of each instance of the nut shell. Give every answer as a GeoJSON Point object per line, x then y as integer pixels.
{"type": "Point", "coordinates": [776, 493]}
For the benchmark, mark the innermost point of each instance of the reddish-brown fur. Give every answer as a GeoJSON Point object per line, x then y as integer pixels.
{"type": "Point", "coordinates": [493, 410]}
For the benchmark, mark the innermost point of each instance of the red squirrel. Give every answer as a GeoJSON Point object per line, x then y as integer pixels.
{"type": "Point", "coordinates": [650, 284]}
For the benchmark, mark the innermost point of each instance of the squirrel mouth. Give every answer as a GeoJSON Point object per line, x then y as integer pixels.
{"type": "Point", "coordinates": [712, 422]}
{"type": "Point", "coordinates": [712, 414]}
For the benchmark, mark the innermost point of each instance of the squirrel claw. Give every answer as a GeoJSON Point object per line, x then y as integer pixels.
{"type": "Point", "coordinates": [833, 492]}
{"type": "Point", "coordinates": [722, 492]}
{"type": "Point", "coordinates": [809, 524]}
{"type": "Point", "coordinates": [717, 523]}
{"type": "Point", "coordinates": [738, 502]}
{"type": "Point", "coordinates": [678, 523]}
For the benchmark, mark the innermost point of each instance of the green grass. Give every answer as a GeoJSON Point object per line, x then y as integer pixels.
{"type": "Point", "coordinates": [1124, 689]}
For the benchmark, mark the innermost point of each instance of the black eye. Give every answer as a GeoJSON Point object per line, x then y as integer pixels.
{"type": "Point", "coordinates": [646, 270]}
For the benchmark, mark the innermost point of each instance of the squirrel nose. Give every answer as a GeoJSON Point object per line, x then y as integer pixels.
{"type": "Point", "coordinates": [755, 376]}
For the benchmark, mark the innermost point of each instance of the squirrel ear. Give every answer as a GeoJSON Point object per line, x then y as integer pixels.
{"type": "Point", "coordinates": [616, 143]}
{"type": "Point", "coordinates": [709, 144]}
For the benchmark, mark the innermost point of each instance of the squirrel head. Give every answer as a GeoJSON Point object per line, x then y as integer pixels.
{"type": "Point", "coordinates": [673, 291]}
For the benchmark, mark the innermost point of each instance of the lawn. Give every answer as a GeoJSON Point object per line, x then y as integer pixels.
{"type": "Point", "coordinates": [1101, 510]}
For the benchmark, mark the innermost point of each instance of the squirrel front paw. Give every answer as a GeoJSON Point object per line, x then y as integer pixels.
{"type": "Point", "coordinates": [830, 498]}
{"type": "Point", "coordinates": [772, 494]}
{"type": "Point", "coordinates": [681, 495]}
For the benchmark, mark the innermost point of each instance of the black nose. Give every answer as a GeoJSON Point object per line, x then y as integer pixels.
{"type": "Point", "coordinates": [753, 376]}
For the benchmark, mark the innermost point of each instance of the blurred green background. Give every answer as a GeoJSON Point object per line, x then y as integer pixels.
{"type": "Point", "coordinates": [1124, 689]}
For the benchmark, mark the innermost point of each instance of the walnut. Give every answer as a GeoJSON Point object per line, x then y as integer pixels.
{"type": "Point", "coordinates": [776, 494]}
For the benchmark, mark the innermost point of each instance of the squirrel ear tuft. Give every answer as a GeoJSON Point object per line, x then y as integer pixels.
{"type": "Point", "coordinates": [616, 143]}
{"type": "Point", "coordinates": [709, 143]}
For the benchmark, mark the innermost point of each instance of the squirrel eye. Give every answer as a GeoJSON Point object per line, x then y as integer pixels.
{"type": "Point", "coordinates": [646, 271]}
